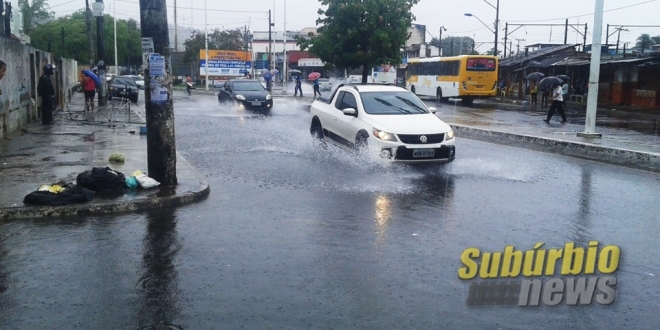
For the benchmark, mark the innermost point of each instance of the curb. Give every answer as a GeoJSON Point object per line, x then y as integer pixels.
{"type": "Point", "coordinates": [200, 193]}
{"type": "Point", "coordinates": [622, 157]}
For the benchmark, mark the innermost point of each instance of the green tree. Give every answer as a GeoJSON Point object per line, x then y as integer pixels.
{"type": "Point", "coordinates": [644, 41]}
{"type": "Point", "coordinates": [452, 46]}
{"type": "Point", "coordinates": [362, 33]}
{"type": "Point", "coordinates": [492, 51]}
{"type": "Point", "coordinates": [74, 44]}
{"type": "Point", "coordinates": [218, 39]}
{"type": "Point", "coordinates": [34, 14]}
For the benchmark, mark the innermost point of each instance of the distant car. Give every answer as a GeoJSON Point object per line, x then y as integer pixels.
{"type": "Point", "coordinates": [139, 81]}
{"type": "Point", "coordinates": [325, 84]}
{"type": "Point", "coordinates": [246, 94]}
{"type": "Point", "coordinates": [123, 87]}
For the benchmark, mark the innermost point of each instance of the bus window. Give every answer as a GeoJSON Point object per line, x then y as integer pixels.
{"type": "Point", "coordinates": [480, 64]}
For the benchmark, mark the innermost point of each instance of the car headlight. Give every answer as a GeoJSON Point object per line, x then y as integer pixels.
{"type": "Point", "coordinates": [240, 97]}
{"type": "Point", "coordinates": [384, 135]}
{"type": "Point", "coordinates": [450, 135]}
{"type": "Point", "coordinates": [268, 97]}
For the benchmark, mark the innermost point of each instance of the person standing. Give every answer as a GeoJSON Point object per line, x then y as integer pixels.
{"type": "Point", "coordinates": [557, 103]}
{"type": "Point", "coordinates": [188, 84]}
{"type": "Point", "coordinates": [46, 90]}
{"type": "Point", "coordinates": [89, 88]}
{"type": "Point", "coordinates": [298, 87]}
{"type": "Point", "coordinates": [534, 92]}
{"type": "Point", "coordinates": [316, 87]}
{"type": "Point", "coordinates": [3, 69]}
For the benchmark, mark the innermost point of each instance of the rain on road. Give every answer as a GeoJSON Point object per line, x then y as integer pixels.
{"type": "Point", "coordinates": [294, 236]}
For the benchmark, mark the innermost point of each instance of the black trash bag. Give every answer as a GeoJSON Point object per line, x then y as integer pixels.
{"type": "Point", "coordinates": [72, 194]}
{"type": "Point", "coordinates": [102, 180]}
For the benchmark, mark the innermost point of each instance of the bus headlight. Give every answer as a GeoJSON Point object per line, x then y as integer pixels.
{"type": "Point", "coordinates": [384, 135]}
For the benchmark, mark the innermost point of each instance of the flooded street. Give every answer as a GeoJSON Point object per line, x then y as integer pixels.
{"type": "Point", "coordinates": [296, 236]}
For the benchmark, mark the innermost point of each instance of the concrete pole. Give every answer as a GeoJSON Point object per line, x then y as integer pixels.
{"type": "Point", "coordinates": [176, 31]}
{"type": "Point", "coordinates": [114, 7]}
{"type": "Point", "coordinates": [206, 44]}
{"type": "Point", "coordinates": [284, 63]}
{"type": "Point", "coordinates": [100, 48]}
{"type": "Point", "coordinates": [594, 75]}
{"type": "Point", "coordinates": [161, 146]}
{"type": "Point", "coordinates": [88, 28]}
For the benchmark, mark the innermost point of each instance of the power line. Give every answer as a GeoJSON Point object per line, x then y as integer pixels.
{"type": "Point", "coordinates": [591, 14]}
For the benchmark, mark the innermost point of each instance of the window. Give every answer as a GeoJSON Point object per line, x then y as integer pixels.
{"type": "Point", "coordinates": [480, 64]}
{"type": "Point", "coordinates": [392, 103]}
{"type": "Point", "coordinates": [349, 102]}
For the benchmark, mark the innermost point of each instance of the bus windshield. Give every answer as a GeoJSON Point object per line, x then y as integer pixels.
{"type": "Point", "coordinates": [480, 64]}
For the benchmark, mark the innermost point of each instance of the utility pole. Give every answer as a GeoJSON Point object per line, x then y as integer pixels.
{"type": "Point", "coordinates": [506, 34]}
{"type": "Point", "coordinates": [62, 42]}
{"type": "Point", "coordinates": [176, 31]}
{"type": "Point", "coordinates": [114, 6]}
{"type": "Point", "coordinates": [584, 44]}
{"type": "Point", "coordinates": [100, 48]}
{"type": "Point", "coordinates": [594, 73]}
{"type": "Point", "coordinates": [90, 41]}
{"type": "Point", "coordinates": [270, 39]}
{"type": "Point", "coordinates": [161, 146]}
{"type": "Point", "coordinates": [2, 17]}
{"type": "Point", "coordinates": [284, 63]}
{"type": "Point", "coordinates": [440, 41]}
{"type": "Point", "coordinates": [497, 20]}
{"type": "Point", "coordinates": [566, 33]}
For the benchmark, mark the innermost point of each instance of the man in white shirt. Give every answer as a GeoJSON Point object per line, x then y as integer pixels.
{"type": "Point", "coordinates": [557, 103]}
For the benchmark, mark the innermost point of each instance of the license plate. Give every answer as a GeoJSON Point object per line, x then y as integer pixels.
{"type": "Point", "coordinates": [423, 153]}
{"type": "Point", "coordinates": [256, 103]}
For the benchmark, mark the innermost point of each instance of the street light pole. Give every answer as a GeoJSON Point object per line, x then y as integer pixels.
{"type": "Point", "coordinates": [114, 7]}
{"type": "Point", "coordinates": [206, 46]}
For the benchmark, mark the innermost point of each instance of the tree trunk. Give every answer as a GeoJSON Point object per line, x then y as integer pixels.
{"type": "Point", "coordinates": [365, 73]}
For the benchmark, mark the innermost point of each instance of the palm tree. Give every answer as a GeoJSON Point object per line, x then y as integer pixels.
{"type": "Point", "coordinates": [644, 41]}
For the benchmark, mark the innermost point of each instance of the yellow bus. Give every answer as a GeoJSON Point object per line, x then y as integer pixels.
{"type": "Point", "coordinates": [466, 77]}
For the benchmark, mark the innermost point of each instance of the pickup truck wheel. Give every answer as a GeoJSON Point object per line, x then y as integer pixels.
{"type": "Point", "coordinates": [316, 130]}
{"type": "Point", "coordinates": [362, 143]}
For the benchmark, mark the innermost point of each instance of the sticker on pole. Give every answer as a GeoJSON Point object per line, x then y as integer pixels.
{"type": "Point", "coordinates": [157, 65]}
{"type": "Point", "coordinates": [147, 50]}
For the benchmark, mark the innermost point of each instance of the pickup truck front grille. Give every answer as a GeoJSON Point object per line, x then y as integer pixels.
{"type": "Point", "coordinates": [417, 138]}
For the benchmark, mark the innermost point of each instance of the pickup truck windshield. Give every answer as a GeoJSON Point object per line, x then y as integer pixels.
{"type": "Point", "coordinates": [392, 103]}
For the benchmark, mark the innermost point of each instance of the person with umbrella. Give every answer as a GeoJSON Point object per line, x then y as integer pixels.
{"type": "Point", "coordinates": [89, 88]}
{"type": "Point", "coordinates": [557, 103]}
{"type": "Point", "coordinates": [46, 90]}
{"type": "Point", "coordinates": [298, 86]}
{"type": "Point", "coordinates": [314, 76]}
{"type": "Point", "coordinates": [534, 90]}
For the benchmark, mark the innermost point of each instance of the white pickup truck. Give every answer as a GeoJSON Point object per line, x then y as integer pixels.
{"type": "Point", "coordinates": [385, 120]}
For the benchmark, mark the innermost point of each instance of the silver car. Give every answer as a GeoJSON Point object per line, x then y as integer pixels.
{"type": "Point", "coordinates": [325, 84]}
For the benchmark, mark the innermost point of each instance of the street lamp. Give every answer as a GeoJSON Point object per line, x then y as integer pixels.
{"type": "Point", "coordinates": [440, 39]}
{"type": "Point", "coordinates": [497, 20]}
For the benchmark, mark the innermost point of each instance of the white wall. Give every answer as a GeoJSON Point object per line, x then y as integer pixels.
{"type": "Point", "coordinates": [262, 47]}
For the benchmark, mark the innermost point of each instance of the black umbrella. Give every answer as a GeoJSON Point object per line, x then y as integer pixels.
{"type": "Point", "coordinates": [563, 77]}
{"type": "Point", "coordinates": [550, 81]}
{"type": "Point", "coordinates": [535, 76]}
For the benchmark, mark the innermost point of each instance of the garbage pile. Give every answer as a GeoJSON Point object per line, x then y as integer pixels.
{"type": "Point", "coordinates": [97, 180]}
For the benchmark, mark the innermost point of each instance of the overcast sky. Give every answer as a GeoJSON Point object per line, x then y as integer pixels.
{"type": "Point", "coordinates": [432, 13]}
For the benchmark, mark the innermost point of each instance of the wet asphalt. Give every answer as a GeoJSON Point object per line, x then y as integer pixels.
{"type": "Point", "coordinates": [294, 236]}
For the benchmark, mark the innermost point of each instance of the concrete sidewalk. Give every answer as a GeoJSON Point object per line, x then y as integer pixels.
{"type": "Point", "coordinates": [76, 142]}
{"type": "Point", "coordinates": [628, 139]}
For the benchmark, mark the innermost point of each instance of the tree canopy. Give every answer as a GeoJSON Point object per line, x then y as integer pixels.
{"type": "Point", "coordinates": [644, 41]}
{"type": "Point", "coordinates": [49, 36]}
{"type": "Point", "coordinates": [361, 33]}
{"type": "Point", "coordinates": [34, 14]}
{"type": "Point", "coordinates": [218, 39]}
{"type": "Point", "coordinates": [452, 46]}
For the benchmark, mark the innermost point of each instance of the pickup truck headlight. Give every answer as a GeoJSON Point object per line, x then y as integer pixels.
{"type": "Point", "coordinates": [268, 97]}
{"type": "Point", "coordinates": [240, 97]}
{"type": "Point", "coordinates": [449, 135]}
{"type": "Point", "coordinates": [384, 135]}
